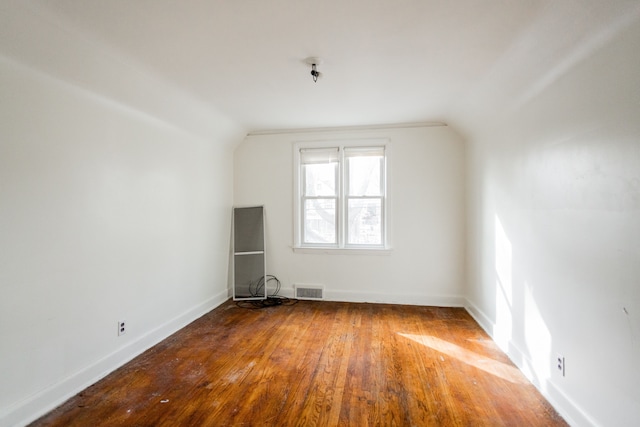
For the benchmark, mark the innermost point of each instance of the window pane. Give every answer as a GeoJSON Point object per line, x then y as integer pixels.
{"type": "Point", "coordinates": [364, 175]}
{"type": "Point", "coordinates": [320, 221]}
{"type": "Point", "coordinates": [364, 221]}
{"type": "Point", "coordinates": [320, 179]}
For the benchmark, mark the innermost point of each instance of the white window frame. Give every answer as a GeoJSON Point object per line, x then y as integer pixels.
{"type": "Point", "coordinates": [341, 217]}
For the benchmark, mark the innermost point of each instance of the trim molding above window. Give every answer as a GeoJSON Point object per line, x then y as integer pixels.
{"type": "Point", "coordinates": [341, 196]}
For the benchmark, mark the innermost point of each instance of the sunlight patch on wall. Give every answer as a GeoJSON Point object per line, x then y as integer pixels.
{"type": "Point", "coordinates": [504, 291]}
{"type": "Point", "coordinates": [538, 338]}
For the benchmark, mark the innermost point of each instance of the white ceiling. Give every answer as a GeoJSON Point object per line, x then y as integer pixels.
{"type": "Point", "coordinates": [385, 62]}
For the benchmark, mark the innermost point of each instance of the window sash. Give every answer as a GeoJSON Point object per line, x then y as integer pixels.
{"type": "Point", "coordinates": [369, 155]}
{"type": "Point", "coordinates": [355, 219]}
{"type": "Point", "coordinates": [307, 171]}
{"type": "Point", "coordinates": [361, 231]}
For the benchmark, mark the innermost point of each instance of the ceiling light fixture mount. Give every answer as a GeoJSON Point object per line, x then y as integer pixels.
{"type": "Point", "coordinates": [314, 62]}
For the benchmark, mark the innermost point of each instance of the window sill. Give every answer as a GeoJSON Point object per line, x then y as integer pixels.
{"type": "Point", "coordinates": [342, 251]}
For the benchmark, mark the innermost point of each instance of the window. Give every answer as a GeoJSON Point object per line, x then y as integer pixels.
{"type": "Point", "coordinates": [341, 196]}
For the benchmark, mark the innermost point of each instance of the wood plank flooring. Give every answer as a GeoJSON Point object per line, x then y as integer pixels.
{"type": "Point", "coordinates": [316, 364]}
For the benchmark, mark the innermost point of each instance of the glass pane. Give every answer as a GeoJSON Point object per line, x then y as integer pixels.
{"type": "Point", "coordinates": [320, 221]}
{"type": "Point", "coordinates": [364, 176]}
{"type": "Point", "coordinates": [320, 179]}
{"type": "Point", "coordinates": [364, 222]}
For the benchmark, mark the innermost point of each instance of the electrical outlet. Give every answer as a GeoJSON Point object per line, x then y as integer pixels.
{"type": "Point", "coordinates": [560, 364]}
{"type": "Point", "coordinates": [122, 327]}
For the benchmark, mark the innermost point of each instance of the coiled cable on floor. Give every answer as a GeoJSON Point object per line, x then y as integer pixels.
{"type": "Point", "coordinates": [257, 289]}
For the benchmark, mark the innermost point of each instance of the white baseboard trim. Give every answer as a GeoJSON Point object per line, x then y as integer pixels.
{"type": "Point", "coordinates": [479, 316]}
{"type": "Point", "coordinates": [406, 299]}
{"type": "Point", "coordinates": [28, 410]}
{"type": "Point", "coordinates": [570, 411]}
{"type": "Point", "coordinates": [383, 298]}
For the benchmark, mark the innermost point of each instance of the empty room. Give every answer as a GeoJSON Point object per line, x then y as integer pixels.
{"type": "Point", "coordinates": [297, 212]}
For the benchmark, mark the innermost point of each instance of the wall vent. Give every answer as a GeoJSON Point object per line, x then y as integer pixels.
{"type": "Point", "coordinates": [313, 292]}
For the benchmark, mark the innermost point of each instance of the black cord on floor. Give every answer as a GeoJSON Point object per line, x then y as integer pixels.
{"type": "Point", "coordinates": [272, 300]}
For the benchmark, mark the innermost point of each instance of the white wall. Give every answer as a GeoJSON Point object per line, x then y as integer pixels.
{"type": "Point", "coordinates": [555, 235]}
{"type": "Point", "coordinates": [106, 214]}
{"type": "Point", "coordinates": [426, 202]}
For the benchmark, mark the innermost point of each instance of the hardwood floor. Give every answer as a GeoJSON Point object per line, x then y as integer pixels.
{"type": "Point", "coordinates": [316, 364]}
